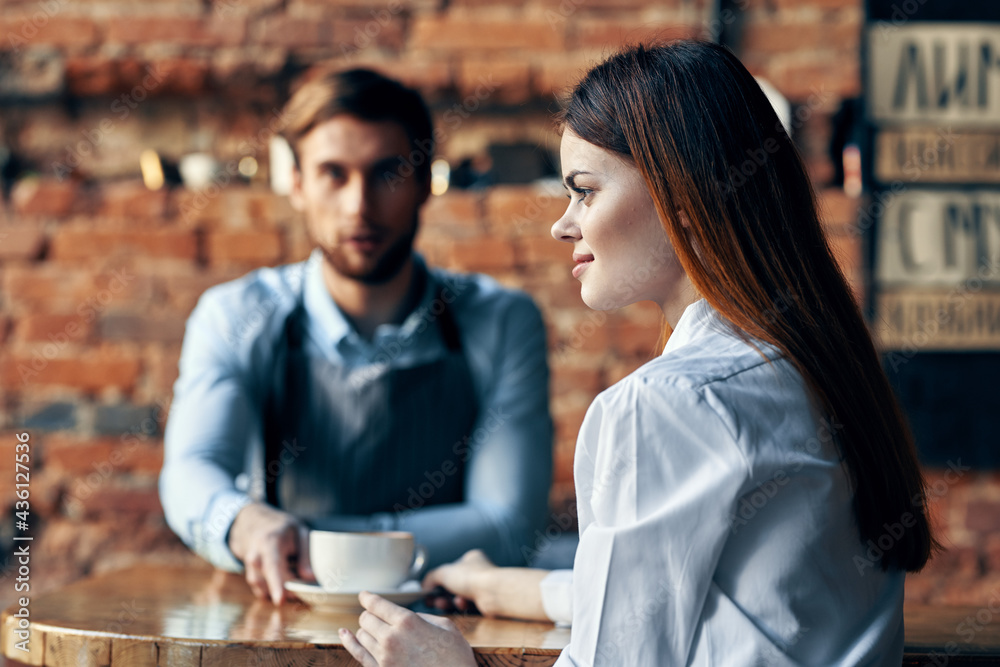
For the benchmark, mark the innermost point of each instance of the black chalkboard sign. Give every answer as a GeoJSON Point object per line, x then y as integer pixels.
{"type": "Point", "coordinates": [933, 10]}
{"type": "Point", "coordinates": [932, 225]}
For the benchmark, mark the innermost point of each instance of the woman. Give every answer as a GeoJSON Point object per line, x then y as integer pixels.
{"type": "Point", "coordinates": [752, 495]}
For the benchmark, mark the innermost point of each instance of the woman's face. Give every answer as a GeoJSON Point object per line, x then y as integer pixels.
{"type": "Point", "coordinates": [620, 248]}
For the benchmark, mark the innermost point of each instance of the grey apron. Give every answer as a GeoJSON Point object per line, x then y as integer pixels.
{"type": "Point", "coordinates": [365, 439]}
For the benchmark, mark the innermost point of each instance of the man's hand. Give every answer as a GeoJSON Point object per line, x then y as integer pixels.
{"type": "Point", "coordinates": [274, 548]}
{"type": "Point", "coordinates": [391, 636]}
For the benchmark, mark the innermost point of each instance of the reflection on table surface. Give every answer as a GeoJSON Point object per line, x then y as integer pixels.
{"type": "Point", "coordinates": [175, 611]}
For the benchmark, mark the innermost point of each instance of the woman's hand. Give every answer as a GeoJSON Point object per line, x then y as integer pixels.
{"type": "Point", "coordinates": [467, 580]}
{"type": "Point", "coordinates": [392, 636]}
{"type": "Point", "coordinates": [512, 592]}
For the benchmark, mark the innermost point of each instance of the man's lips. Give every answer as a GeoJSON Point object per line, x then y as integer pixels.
{"type": "Point", "coordinates": [365, 241]}
{"type": "Point", "coordinates": [582, 262]}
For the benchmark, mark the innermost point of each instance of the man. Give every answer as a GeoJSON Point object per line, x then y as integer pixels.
{"type": "Point", "coordinates": [359, 390]}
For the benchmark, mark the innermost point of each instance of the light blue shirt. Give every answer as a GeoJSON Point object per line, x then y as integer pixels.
{"type": "Point", "coordinates": [210, 471]}
{"type": "Point", "coordinates": [716, 521]}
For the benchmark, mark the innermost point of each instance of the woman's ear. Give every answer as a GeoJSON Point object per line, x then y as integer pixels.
{"type": "Point", "coordinates": [682, 216]}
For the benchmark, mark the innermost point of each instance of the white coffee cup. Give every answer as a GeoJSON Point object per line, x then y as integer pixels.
{"type": "Point", "coordinates": [350, 562]}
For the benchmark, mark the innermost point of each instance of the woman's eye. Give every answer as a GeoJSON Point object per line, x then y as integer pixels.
{"type": "Point", "coordinates": [582, 192]}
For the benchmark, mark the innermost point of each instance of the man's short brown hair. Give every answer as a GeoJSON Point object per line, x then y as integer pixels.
{"type": "Point", "coordinates": [367, 95]}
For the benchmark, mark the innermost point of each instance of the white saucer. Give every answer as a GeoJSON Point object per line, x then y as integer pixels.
{"type": "Point", "coordinates": [346, 602]}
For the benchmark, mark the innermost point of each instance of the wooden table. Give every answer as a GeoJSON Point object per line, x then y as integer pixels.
{"type": "Point", "coordinates": [171, 616]}
{"type": "Point", "coordinates": [954, 636]}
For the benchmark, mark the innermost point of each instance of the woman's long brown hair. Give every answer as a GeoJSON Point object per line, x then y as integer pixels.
{"type": "Point", "coordinates": [708, 143]}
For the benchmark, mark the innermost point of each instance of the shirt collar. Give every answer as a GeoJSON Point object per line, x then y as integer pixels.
{"type": "Point", "coordinates": [328, 325]}
{"type": "Point", "coordinates": [696, 320]}
{"type": "Point", "coordinates": [700, 319]}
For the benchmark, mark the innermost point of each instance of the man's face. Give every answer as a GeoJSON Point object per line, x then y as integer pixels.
{"type": "Point", "coordinates": [359, 211]}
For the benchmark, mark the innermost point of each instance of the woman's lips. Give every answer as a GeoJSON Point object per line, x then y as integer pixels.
{"type": "Point", "coordinates": [582, 262]}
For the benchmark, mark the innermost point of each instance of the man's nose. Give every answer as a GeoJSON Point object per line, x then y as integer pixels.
{"type": "Point", "coordinates": [357, 196]}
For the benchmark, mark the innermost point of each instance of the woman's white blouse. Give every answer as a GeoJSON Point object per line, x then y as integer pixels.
{"type": "Point", "coordinates": [716, 524]}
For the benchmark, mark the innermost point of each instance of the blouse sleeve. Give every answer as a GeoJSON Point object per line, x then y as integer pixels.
{"type": "Point", "coordinates": [658, 473]}
{"type": "Point", "coordinates": [557, 596]}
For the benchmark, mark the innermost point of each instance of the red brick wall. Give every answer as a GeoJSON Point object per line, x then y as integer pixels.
{"type": "Point", "coordinates": [97, 274]}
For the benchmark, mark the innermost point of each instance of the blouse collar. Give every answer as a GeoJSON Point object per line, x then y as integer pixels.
{"type": "Point", "coordinates": [700, 320]}
{"type": "Point", "coordinates": [696, 320]}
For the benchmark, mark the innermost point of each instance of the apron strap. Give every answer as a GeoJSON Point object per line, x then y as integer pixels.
{"type": "Point", "coordinates": [446, 324]}
{"type": "Point", "coordinates": [283, 397]}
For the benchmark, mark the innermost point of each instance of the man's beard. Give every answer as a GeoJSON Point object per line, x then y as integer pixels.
{"type": "Point", "coordinates": [386, 267]}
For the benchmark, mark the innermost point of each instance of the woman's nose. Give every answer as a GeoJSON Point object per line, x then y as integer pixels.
{"type": "Point", "coordinates": [564, 229]}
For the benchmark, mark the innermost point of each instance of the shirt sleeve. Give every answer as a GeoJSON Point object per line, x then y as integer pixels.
{"type": "Point", "coordinates": [507, 459]}
{"type": "Point", "coordinates": [210, 424]}
{"type": "Point", "coordinates": [557, 596]}
{"type": "Point", "coordinates": [660, 474]}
